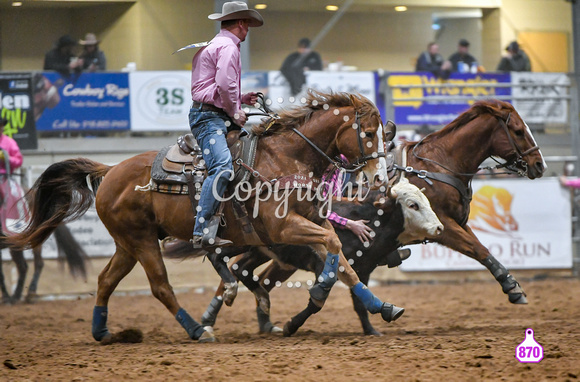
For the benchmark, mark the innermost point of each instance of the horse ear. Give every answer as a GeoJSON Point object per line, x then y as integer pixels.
{"type": "Point", "coordinates": [355, 101]}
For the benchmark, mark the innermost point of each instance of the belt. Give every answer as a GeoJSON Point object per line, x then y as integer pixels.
{"type": "Point", "coordinates": [206, 107]}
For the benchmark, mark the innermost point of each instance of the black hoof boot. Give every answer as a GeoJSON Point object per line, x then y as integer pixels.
{"type": "Point", "coordinates": [390, 312]}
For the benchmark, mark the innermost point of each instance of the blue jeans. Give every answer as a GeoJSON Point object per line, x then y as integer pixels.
{"type": "Point", "coordinates": [209, 129]}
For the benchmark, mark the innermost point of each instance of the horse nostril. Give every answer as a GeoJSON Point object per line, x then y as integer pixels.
{"type": "Point", "coordinates": [540, 167]}
{"type": "Point", "coordinates": [439, 230]}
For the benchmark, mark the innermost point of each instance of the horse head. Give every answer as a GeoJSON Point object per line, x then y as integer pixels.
{"type": "Point", "coordinates": [515, 142]}
{"type": "Point", "coordinates": [362, 124]}
{"type": "Point", "coordinates": [420, 221]}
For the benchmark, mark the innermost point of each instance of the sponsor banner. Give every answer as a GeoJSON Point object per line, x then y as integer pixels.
{"type": "Point", "coordinates": [17, 106]}
{"type": "Point", "coordinates": [89, 101]}
{"type": "Point", "coordinates": [160, 101]}
{"type": "Point", "coordinates": [88, 230]}
{"type": "Point", "coordinates": [541, 85]}
{"type": "Point", "coordinates": [425, 112]}
{"type": "Point", "coordinates": [352, 82]}
{"type": "Point", "coordinates": [525, 225]}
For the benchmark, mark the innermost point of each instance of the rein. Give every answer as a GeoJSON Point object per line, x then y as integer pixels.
{"type": "Point", "coordinates": [359, 163]}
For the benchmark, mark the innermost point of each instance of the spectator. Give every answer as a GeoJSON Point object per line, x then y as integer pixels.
{"type": "Point", "coordinates": [462, 61]}
{"type": "Point", "coordinates": [61, 57]}
{"type": "Point", "coordinates": [92, 57]}
{"type": "Point", "coordinates": [516, 60]}
{"type": "Point", "coordinates": [9, 151]}
{"type": "Point", "coordinates": [431, 61]}
{"type": "Point", "coordinates": [297, 63]}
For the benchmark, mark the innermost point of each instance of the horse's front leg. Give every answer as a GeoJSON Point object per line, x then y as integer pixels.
{"type": "Point", "coordinates": [463, 240]}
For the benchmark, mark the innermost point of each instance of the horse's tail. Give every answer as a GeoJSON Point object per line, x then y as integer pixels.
{"type": "Point", "coordinates": [62, 193]}
{"type": "Point", "coordinates": [70, 249]}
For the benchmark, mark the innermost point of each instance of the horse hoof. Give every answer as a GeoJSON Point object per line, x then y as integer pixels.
{"type": "Point", "coordinates": [517, 298]}
{"type": "Point", "coordinates": [206, 336]}
{"type": "Point", "coordinates": [374, 333]}
{"type": "Point", "coordinates": [390, 312]}
{"type": "Point", "coordinates": [107, 339]}
{"type": "Point", "coordinates": [287, 331]}
{"type": "Point", "coordinates": [31, 298]}
{"type": "Point", "coordinates": [276, 330]}
{"type": "Point", "coordinates": [208, 329]}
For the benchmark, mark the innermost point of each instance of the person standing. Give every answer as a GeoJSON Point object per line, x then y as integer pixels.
{"type": "Point", "coordinates": [431, 61]}
{"type": "Point", "coordinates": [61, 57]}
{"type": "Point", "coordinates": [462, 61]}
{"type": "Point", "coordinates": [297, 63]}
{"type": "Point", "coordinates": [516, 60]}
{"type": "Point", "coordinates": [92, 57]}
{"type": "Point", "coordinates": [216, 109]}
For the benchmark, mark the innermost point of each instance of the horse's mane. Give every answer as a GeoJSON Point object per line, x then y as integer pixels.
{"type": "Point", "coordinates": [493, 107]}
{"type": "Point", "coordinates": [315, 101]}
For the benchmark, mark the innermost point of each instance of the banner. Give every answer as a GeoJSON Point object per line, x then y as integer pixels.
{"type": "Point", "coordinates": [425, 112]}
{"type": "Point", "coordinates": [16, 103]}
{"type": "Point", "coordinates": [87, 102]}
{"type": "Point", "coordinates": [160, 101]}
{"type": "Point", "coordinates": [541, 85]}
{"type": "Point", "coordinates": [524, 225]}
{"type": "Point", "coordinates": [352, 82]}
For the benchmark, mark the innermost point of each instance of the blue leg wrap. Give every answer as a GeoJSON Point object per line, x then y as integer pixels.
{"type": "Point", "coordinates": [99, 329]}
{"type": "Point", "coordinates": [326, 279]}
{"type": "Point", "coordinates": [370, 301]}
{"type": "Point", "coordinates": [192, 327]}
{"type": "Point", "coordinates": [210, 315]}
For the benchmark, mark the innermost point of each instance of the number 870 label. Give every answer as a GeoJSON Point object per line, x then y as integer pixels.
{"type": "Point", "coordinates": [529, 350]}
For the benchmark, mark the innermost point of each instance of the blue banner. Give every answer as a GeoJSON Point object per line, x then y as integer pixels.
{"type": "Point", "coordinates": [87, 102]}
{"type": "Point", "coordinates": [425, 112]}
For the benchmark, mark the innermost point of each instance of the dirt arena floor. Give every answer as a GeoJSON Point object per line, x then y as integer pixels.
{"type": "Point", "coordinates": [450, 332]}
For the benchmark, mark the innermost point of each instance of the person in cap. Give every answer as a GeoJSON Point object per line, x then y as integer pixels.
{"type": "Point", "coordinates": [297, 63]}
{"type": "Point", "coordinates": [217, 109]}
{"type": "Point", "coordinates": [61, 57]}
{"type": "Point", "coordinates": [92, 57]}
{"type": "Point", "coordinates": [516, 60]}
{"type": "Point", "coordinates": [462, 59]}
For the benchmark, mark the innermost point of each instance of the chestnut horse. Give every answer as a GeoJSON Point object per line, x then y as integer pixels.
{"type": "Point", "coordinates": [488, 128]}
{"type": "Point", "coordinates": [302, 142]}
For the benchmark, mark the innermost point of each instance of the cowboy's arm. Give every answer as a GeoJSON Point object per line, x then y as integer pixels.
{"type": "Point", "coordinates": [227, 81]}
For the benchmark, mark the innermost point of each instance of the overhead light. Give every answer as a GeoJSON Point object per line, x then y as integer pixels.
{"type": "Point", "coordinates": [332, 8]}
{"type": "Point", "coordinates": [261, 6]}
{"type": "Point", "coordinates": [17, 3]}
{"type": "Point", "coordinates": [400, 8]}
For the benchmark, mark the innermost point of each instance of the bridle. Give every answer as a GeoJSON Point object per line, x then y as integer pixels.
{"type": "Point", "coordinates": [514, 165]}
{"type": "Point", "coordinates": [338, 163]}
{"type": "Point", "coordinates": [517, 163]}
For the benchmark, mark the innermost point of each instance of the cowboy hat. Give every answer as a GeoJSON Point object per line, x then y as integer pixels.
{"type": "Point", "coordinates": [238, 10]}
{"type": "Point", "coordinates": [90, 39]}
{"type": "Point", "coordinates": [65, 40]}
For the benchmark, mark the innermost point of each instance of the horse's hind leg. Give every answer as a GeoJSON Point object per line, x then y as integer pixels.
{"type": "Point", "coordinates": [362, 312]}
{"type": "Point", "coordinates": [118, 267]}
{"type": "Point", "coordinates": [22, 267]}
{"type": "Point", "coordinates": [38, 265]}
{"type": "Point", "coordinates": [152, 262]}
{"type": "Point", "coordinates": [5, 294]}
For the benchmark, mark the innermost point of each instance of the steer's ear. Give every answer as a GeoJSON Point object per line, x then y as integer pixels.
{"type": "Point", "coordinates": [384, 202]}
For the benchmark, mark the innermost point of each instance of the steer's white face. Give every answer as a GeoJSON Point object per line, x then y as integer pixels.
{"type": "Point", "coordinates": [420, 221]}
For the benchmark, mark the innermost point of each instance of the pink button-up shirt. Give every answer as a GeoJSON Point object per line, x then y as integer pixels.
{"type": "Point", "coordinates": [216, 73]}
{"type": "Point", "coordinates": [14, 156]}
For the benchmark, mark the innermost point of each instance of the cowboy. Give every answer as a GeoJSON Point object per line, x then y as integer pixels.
{"type": "Point", "coordinates": [93, 58]}
{"type": "Point", "coordinates": [216, 109]}
{"type": "Point", "coordinates": [61, 57]}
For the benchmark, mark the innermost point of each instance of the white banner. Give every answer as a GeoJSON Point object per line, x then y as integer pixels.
{"type": "Point", "coordinates": [541, 111]}
{"type": "Point", "coordinates": [524, 224]}
{"type": "Point", "coordinates": [160, 101]}
{"type": "Point", "coordinates": [352, 82]}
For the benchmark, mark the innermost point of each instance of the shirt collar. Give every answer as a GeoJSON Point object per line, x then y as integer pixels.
{"type": "Point", "coordinates": [230, 35]}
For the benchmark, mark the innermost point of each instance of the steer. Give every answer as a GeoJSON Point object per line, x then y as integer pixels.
{"type": "Point", "coordinates": [397, 221]}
